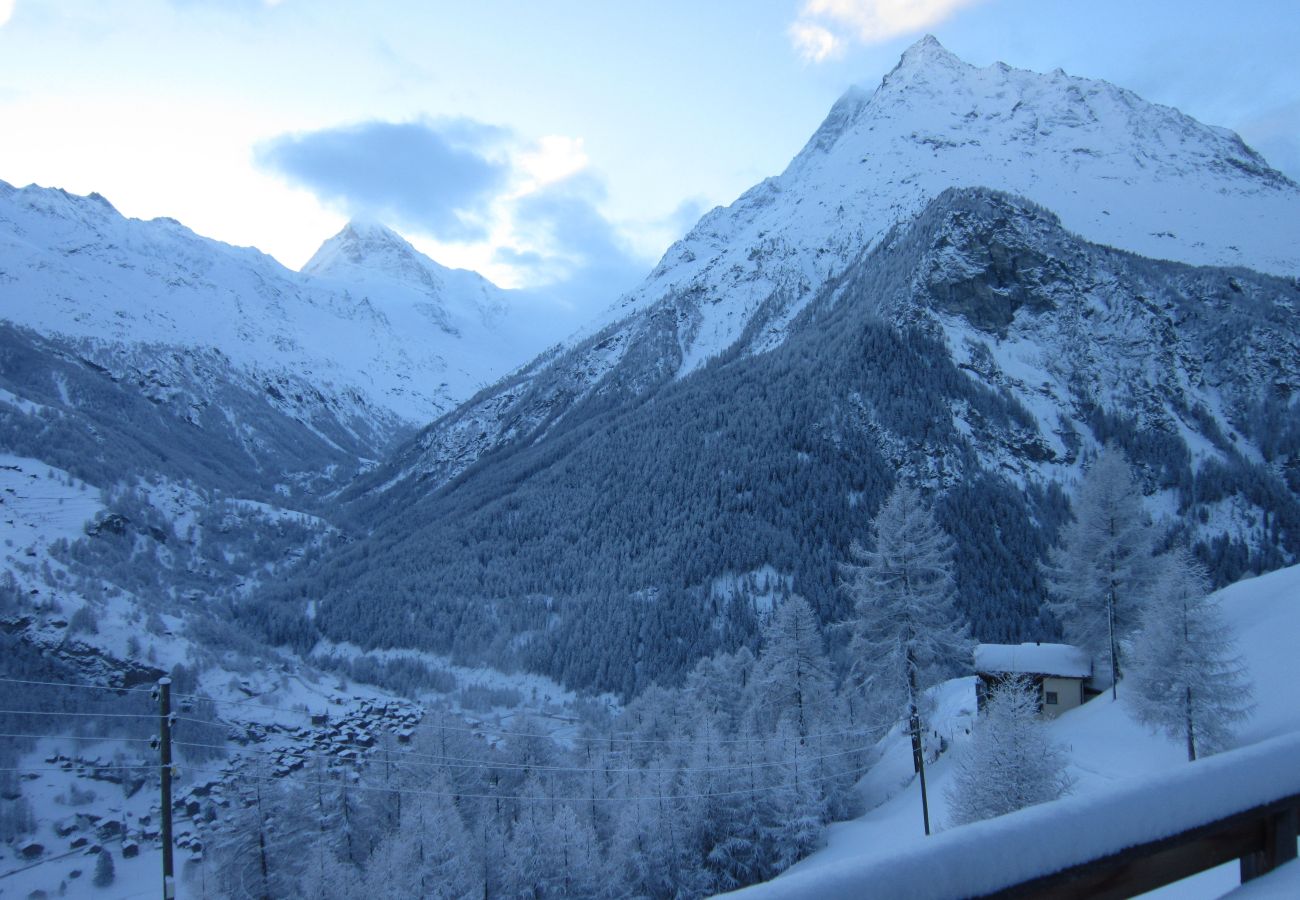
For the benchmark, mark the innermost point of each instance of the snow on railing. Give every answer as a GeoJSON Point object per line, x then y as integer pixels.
{"type": "Point", "coordinates": [1010, 851]}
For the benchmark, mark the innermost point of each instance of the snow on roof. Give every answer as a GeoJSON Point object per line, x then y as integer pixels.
{"type": "Point", "coordinates": [995, 854]}
{"type": "Point", "coordinates": [1063, 660]}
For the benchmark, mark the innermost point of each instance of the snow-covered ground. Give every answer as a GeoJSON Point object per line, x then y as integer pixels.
{"type": "Point", "coordinates": [1108, 750]}
{"type": "Point", "coordinates": [40, 504]}
{"type": "Point", "coordinates": [1109, 753]}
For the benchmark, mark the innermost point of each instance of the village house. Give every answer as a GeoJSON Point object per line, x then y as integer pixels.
{"type": "Point", "coordinates": [1060, 673]}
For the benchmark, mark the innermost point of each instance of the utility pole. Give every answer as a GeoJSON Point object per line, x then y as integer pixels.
{"type": "Point", "coordinates": [165, 758]}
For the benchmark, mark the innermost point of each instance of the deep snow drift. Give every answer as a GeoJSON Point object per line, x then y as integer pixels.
{"type": "Point", "coordinates": [1109, 753]}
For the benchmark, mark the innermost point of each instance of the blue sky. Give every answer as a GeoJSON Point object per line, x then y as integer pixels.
{"type": "Point", "coordinates": [561, 142]}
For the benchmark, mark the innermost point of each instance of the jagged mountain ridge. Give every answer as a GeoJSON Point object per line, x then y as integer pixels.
{"type": "Point", "coordinates": [980, 349]}
{"type": "Point", "coordinates": [214, 400]}
{"type": "Point", "coordinates": [372, 326]}
{"type": "Point", "coordinates": [1118, 171]}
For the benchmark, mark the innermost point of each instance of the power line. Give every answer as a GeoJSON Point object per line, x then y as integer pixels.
{"type": "Point", "coordinates": [462, 762]}
{"type": "Point", "coordinates": [621, 738]}
{"type": "Point", "coordinates": [617, 739]}
{"type": "Point", "coordinates": [74, 684]}
{"type": "Point", "coordinates": [79, 737]}
{"type": "Point", "coordinates": [59, 712]}
{"type": "Point", "coordinates": [449, 761]}
{"type": "Point", "coordinates": [270, 779]}
{"type": "Point", "coordinates": [472, 762]}
{"type": "Point", "coordinates": [80, 765]}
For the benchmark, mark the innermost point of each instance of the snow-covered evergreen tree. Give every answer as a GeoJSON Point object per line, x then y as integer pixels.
{"type": "Point", "coordinates": [104, 872]}
{"type": "Point", "coordinates": [1010, 762]}
{"type": "Point", "coordinates": [1185, 679]}
{"type": "Point", "coordinates": [651, 847]}
{"type": "Point", "coordinates": [907, 632]}
{"type": "Point", "coordinates": [579, 869]}
{"type": "Point", "coordinates": [427, 855]}
{"type": "Point", "coordinates": [796, 805]}
{"type": "Point", "coordinates": [1103, 569]}
{"type": "Point", "coordinates": [724, 805]}
{"type": "Point", "coordinates": [328, 878]}
{"type": "Point", "coordinates": [793, 677]}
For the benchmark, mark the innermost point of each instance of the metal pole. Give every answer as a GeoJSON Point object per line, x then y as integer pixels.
{"type": "Point", "coordinates": [165, 754]}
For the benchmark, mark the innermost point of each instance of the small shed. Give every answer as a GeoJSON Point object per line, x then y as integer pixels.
{"type": "Point", "coordinates": [1061, 673]}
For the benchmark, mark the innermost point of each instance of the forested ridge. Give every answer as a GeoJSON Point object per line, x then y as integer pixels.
{"type": "Point", "coordinates": [588, 550]}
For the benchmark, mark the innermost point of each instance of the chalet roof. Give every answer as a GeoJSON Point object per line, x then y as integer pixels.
{"type": "Point", "coordinates": [1061, 660]}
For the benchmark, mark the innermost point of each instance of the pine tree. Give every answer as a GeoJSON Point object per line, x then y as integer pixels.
{"type": "Point", "coordinates": [793, 677]}
{"type": "Point", "coordinates": [1010, 763]}
{"type": "Point", "coordinates": [427, 855]}
{"type": "Point", "coordinates": [576, 860]}
{"type": "Point", "coordinates": [796, 805]}
{"type": "Point", "coordinates": [1185, 679]}
{"type": "Point", "coordinates": [104, 873]}
{"type": "Point", "coordinates": [651, 850]}
{"type": "Point", "coordinates": [1103, 569]}
{"type": "Point", "coordinates": [907, 633]}
{"type": "Point", "coordinates": [723, 808]}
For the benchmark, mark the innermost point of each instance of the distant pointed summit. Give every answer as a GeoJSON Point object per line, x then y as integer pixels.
{"type": "Point", "coordinates": [928, 52]}
{"type": "Point", "coordinates": [367, 257]}
{"type": "Point", "coordinates": [362, 242]}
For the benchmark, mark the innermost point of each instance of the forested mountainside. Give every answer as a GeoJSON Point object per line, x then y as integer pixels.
{"type": "Point", "coordinates": [970, 280]}
{"type": "Point", "coordinates": [1118, 170]}
{"type": "Point", "coordinates": [213, 400]}
{"type": "Point", "coordinates": [629, 501]}
{"type": "Point", "coordinates": [981, 350]}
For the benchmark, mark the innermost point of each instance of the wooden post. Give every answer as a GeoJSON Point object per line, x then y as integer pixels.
{"type": "Point", "coordinates": [918, 760]}
{"type": "Point", "coordinates": [1279, 847]}
{"type": "Point", "coordinates": [165, 758]}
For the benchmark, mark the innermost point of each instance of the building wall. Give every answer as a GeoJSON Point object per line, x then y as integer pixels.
{"type": "Point", "coordinates": [1068, 691]}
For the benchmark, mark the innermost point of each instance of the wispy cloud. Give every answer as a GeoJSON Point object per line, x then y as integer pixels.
{"type": "Point", "coordinates": [6, 11]}
{"type": "Point", "coordinates": [527, 213]}
{"type": "Point", "coordinates": [825, 28]}
{"type": "Point", "coordinates": [815, 43]}
{"type": "Point", "coordinates": [563, 239]}
{"type": "Point", "coordinates": [439, 177]}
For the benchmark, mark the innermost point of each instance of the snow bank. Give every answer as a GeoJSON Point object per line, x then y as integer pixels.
{"type": "Point", "coordinates": [1063, 660]}
{"type": "Point", "coordinates": [1284, 881]}
{"type": "Point", "coordinates": [991, 855]}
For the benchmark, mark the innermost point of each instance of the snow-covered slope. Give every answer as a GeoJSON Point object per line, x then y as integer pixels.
{"type": "Point", "coordinates": [1116, 169]}
{"type": "Point", "coordinates": [1108, 751]}
{"type": "Point", "coordinates": [981, 351]}
{"type": "Point", "coordinates": [371, 326]}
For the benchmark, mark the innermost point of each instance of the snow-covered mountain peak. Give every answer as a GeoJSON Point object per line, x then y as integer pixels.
{"type": "Point", "coordinates": [363, 242]}
{"type": "Point", "coordinates": [368, 258]}
{"type": "Point", "coordinates": [373, 322]}
{"type": "Point", "coordinates": [1117, 169]}
{"type": "Point", "coordinates": [926, 55]}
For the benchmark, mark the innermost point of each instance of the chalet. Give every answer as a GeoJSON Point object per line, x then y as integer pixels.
{"type": "Point", "coordinates": [1061, 673]}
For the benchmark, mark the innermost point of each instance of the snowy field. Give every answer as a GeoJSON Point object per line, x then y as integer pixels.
{"type": "Point", "coordinates": [1108, 752]}
{"type": "Point", "coordinates": [40, 504]}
